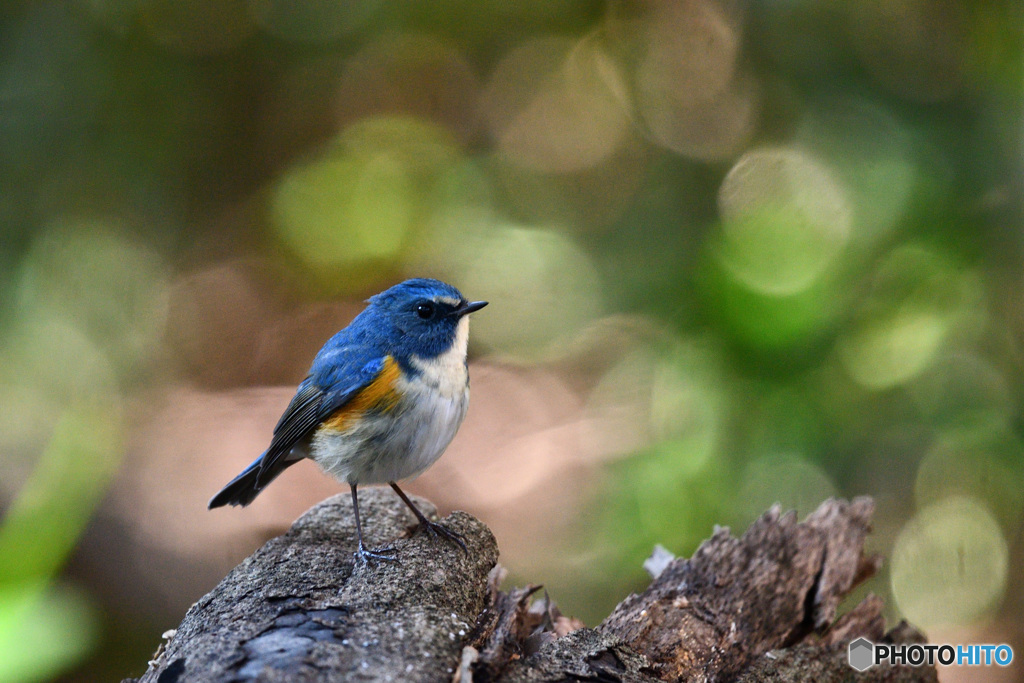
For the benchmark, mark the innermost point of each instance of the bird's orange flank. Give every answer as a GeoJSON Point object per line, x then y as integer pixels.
{"type": "Point", "coordinates": [379, 395]}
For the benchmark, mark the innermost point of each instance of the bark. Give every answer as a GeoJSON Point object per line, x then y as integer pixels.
{"type": "Point", "coordinates": [758, 608]}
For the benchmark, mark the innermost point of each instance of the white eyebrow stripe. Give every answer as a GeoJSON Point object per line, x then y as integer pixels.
{"type": "Point", "coordinates": [447, 300]}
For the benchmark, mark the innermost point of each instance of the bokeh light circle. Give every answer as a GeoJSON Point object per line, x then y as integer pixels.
{"type": "Point", "coordinates": [689, 91]}
{"type": "Point", "coordinates": [358, 202]}
{"type": "Point", "coordinates": [546, 284]}
{"type": "Point", "coordinates": [785, 218]}
{"type": "Point", "coordinates": [872, 151]}
{"type": "Point", "coordinates": [917, 298]}
{"type": "Point", "coordinates": [556, 105]}
{"type": "Point", "coordinates": [341, 210]}
{"type": "Point", "coordinates": [949, 564]}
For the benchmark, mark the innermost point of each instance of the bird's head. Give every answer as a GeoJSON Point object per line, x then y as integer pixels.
{"type": "Point", "coordinates": [426, 317]}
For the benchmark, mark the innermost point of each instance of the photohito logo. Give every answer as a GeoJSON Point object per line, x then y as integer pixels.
{"type": "Point", "coordinates": [863, 654]}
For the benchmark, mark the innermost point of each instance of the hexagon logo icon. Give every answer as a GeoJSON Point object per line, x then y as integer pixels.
{"type": "Point", "coordinates": [861, 654]}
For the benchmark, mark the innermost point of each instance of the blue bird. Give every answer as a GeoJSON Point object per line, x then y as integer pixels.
{"type": "Point", "coordinates": [382, 400]}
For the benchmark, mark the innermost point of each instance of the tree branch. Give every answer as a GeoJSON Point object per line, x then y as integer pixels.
{"type": "Point", "coordinates": [761, 607]}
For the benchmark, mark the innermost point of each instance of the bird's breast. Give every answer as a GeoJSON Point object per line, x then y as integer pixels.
{"type": "Point", "coordinates": [378, 446]}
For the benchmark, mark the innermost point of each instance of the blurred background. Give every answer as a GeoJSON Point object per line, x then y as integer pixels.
{"type": "Point", "coordinates": [737, 253]}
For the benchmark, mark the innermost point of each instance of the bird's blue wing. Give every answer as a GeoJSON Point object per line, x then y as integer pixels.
{"type": "Point", "coordinates": [318, 397]}
{"type": "Point", "coordinates": [334, 380]}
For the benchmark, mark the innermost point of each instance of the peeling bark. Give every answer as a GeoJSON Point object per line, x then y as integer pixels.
{"type": "Point", "coordinates": [758, 608]}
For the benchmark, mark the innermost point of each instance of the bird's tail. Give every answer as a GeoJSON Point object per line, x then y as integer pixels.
{"type": "Point", "coordinates": [244, 488]}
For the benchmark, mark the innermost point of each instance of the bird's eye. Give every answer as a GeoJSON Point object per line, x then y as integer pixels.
{"type": "Point", "coordinates": [425, 310]}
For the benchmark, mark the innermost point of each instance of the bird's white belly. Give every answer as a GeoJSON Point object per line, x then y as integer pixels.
{"type": "Point", "coordinates": [400, 443]}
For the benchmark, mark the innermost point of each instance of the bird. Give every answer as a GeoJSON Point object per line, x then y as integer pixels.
{"type": "Point", "coordinates": [381, 402]}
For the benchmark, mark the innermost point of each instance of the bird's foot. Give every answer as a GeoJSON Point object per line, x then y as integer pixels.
{"type": "Point", "coordinates": [438, 530]}
{"type": "Point", "coordinates": [365, 556]}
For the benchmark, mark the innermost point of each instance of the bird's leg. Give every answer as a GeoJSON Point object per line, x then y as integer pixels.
{"type": "Point", "coordinates": [363, 554]}
{"type": "Point", "coordinates": [432, 528]}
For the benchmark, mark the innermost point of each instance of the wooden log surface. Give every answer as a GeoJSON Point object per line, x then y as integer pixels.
{"type": "Point", "coordinates": [761, 607]}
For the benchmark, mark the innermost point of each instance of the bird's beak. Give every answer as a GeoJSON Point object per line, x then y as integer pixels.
{"type": "Point", "coordinates": [467, 307]}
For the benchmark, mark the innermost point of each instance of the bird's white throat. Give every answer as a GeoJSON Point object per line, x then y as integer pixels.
{"type": "Point", "coordinates": [447, 372]}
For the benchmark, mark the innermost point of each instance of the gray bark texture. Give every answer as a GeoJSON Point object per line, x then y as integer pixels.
{"type": "Point", "coordinates": [758, 608]}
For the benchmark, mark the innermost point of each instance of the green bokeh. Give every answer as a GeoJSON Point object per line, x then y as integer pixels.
{"type": "Point", "coordinates": [43, 630]}
{"type": "Point", "coordinates": [355, 207]}
{"type": "Point", "coordinates": [784, 266]}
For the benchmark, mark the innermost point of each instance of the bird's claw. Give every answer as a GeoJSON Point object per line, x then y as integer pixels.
{"type": "Point", "coordinates": [366, 556]}
{"type": "Point", "coordinates": [437, 530]}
